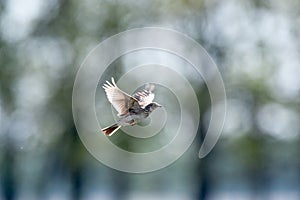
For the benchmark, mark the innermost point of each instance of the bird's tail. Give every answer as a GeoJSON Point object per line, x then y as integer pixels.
{"type": "Point", "coordinates": [108, 131]}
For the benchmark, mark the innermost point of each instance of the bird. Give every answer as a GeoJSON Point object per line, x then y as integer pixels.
{"type": "Point", "coordinates": [131, 109]}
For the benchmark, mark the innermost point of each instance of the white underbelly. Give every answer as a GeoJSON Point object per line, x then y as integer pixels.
{"type": "Point", "coordinates": [131, 119]}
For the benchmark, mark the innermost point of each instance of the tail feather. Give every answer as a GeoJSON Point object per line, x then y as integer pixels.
{"type": "Point", "coordinates": [108, 131]}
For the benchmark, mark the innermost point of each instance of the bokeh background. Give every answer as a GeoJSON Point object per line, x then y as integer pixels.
{"type": "Point", "coordinates": [256, 46]}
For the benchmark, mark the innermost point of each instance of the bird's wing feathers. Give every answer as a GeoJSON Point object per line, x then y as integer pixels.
{"type": "Point", "coordinates": [145, 96]}
{"type": "Point", "coordinates": [119, 99]}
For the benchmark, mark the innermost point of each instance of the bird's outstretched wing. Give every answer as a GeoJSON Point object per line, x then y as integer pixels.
{"type": "Point", "coordinates": [145, 96]}
{"type": "Point", "coordinates": [121, 101]}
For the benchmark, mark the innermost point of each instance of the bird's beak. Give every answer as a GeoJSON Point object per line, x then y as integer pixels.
{"type": "Point", "coordinates": [158, 105]}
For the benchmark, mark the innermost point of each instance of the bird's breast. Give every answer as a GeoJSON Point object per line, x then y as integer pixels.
{"type": "Point", "coordinates": [132, 118]}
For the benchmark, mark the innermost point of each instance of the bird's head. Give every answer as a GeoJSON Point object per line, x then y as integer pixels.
{"type": "Point", "coordinates": [152, 106]}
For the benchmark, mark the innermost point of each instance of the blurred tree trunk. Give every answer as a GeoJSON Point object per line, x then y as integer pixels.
{"type": "Point", "coordinates": [204, 182]}
{"type": "Point", "coordinates": [76, 165]}
{"type": "Point", "coordinates": [77, 183]}
{"type": "Point", "coordinates": [203, 172]}
{"type": "Point", "coordinates": [8, 183]}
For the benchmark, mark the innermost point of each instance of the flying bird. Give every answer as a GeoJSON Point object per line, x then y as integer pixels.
{"type": "Point", "coordinates": [131, 109]}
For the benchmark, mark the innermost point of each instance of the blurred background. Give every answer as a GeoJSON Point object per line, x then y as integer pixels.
{"type": "Point", "coordinates": [254, 43]}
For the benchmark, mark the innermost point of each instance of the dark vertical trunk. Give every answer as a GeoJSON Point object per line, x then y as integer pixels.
{"type": "Point", "coordinates": [203, 174]}
{"type": "Point", "coordinates": [204, 183]}
{"type": "Point", "coordinates": [76, 178]}
{"type": "Point", "coordinates": [8, 182]}
{"type": "Point", "coordinates": [75, 165]}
